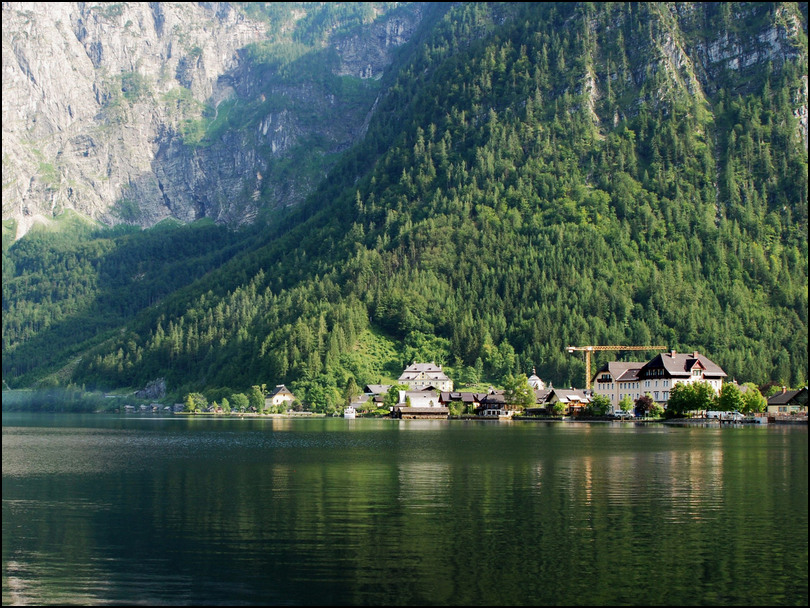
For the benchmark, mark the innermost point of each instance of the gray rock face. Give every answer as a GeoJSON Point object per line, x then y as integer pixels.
{"type": "Point", "coordinates": [100, 105]}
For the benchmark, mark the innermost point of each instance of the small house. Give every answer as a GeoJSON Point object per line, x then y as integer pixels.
{"type": "Point", "coordinates": [280, 395]}
{"type": "Point", "coordinates": [788, 402]}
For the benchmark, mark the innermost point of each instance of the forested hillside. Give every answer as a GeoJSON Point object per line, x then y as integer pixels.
{"type": "Point", "coordinates": [537, 175]}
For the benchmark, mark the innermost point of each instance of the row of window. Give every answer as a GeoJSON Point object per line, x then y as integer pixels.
{"type": "Point", "coordinates": [603, 386]}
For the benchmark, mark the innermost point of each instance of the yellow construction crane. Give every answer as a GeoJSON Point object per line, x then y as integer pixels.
{"type": "Point", "coordinates": [589, 349]}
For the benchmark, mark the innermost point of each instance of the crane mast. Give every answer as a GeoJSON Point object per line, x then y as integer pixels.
{"type": "Point", "coordinates": [590, 349]}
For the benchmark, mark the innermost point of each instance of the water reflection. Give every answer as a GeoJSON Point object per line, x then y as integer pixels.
{"type": "Point", "coordinates": [328, 511]}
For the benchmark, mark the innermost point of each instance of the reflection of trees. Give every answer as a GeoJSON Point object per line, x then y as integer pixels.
{"type": "Point", "coordinates": [425, 513]}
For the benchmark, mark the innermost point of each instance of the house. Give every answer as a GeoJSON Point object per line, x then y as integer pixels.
{"type": "Point", "coordinates": [418, 376]}
{"type": "Point", "coordinates": [420, 404]}
{"type": "Point", "coordinates": [279, 396]}
{"type": "Point", "coordinates": [468, 401]}
{"type": "Point", "coordinates": [662, 372]}
{"type": "Point", "coordinates": [788, 402]}
{"type": "Point", "coordinates": [619, 379]}
{"type": "Point", "coordinates": [376, 389]}
{"type": "Point", "coordinates": [574, 400]}
{"type": "Point", "coordinates": [363, 402]}
{"type": "Point", "coordinates": [493, 405]}
{"type": "Point", "coordinates": [423, 398]}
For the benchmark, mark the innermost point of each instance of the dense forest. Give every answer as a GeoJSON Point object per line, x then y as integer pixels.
{"type": "Point", "coordinates": [535, 175]}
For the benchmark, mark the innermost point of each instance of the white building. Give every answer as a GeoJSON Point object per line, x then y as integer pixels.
{"type": "Point", "coordinates": [280, 394]}
{"type": "Point", "coordinates": [656, 377]}
{"type": "Point", "coordinates": [618, 379]}
{"type": "Point", "coordinates": [535, 382]}
{"type": "Point", "coordinates": [419, 376]}
{"type": "Point", "coordinates": [425, 398]}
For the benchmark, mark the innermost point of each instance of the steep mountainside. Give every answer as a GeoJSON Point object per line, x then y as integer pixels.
{"type": "Point", "coordinates": [136, 112]}
{"type": "Point", "coordinates": [536, 175]}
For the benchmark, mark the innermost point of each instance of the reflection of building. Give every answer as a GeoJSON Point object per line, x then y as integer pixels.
{"type": "Point", "coordinates": [420, 376]}
{"type": "Point", "coordinates": [656, 377]}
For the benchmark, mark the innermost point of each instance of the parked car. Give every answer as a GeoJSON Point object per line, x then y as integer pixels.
{"type": "Point", "coordinates": [622, 414]}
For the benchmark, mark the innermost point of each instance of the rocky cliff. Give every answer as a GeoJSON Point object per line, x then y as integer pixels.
{"type": "Point", "coordinates": [138, 112]}
{"type": "Point", "coordinates": [125, 112]}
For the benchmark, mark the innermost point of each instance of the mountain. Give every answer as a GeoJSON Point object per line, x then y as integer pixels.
{"type": "Point", "coordinates": [530, 176]}
{"type": "Point", "coordinates": [136, 112]}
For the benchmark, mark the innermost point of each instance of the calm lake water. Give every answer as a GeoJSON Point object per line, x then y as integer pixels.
{"type": "Point", "coordinates": [186, 511]}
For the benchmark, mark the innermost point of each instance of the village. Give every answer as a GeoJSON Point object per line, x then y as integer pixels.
{"type": "Point", "coordinates": [618, 390]}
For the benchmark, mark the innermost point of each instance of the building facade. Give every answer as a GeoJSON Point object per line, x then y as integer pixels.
{"type": "Point", "coordinates": [656, 377]}
{"type": "Point", "coordinates": [419, 376]}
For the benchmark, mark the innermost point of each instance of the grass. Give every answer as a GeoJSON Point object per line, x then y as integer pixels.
{"type": "Point", "coordinates": [380, 355]}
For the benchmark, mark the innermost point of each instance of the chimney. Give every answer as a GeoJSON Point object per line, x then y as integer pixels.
{"type": "Point", "coordinates": [695, 354]}
{"type": "Point", "coordinates": [672, 353]}
{"type": "Point", "coordinates": [784, 390]}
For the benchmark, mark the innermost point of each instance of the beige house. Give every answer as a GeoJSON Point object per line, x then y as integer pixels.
{"type": "Point", "coordinates": [574, 400]}
{"type": "Point", "coordinates": [788, 402]}
{"type": "Point", "coordinates": [279, 396]}
{"type": "Point", "coordinates": [656, 377]}
{"type": "Point", "coordinates": [668, 369]}
{"type": "Point", "coordinates": [618, 379]}
{"type": "Point", "coordinates": [419, 376]}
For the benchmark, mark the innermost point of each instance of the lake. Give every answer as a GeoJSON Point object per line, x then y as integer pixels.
{"type": "Point", "coordinates": [105, 509]}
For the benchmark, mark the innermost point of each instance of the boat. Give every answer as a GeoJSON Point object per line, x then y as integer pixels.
{"type": "Point", "coordinates": [349, 412]}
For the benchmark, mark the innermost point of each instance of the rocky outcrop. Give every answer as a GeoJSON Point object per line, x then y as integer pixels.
{"type": "Point", "coordinates": [138, 112]}
{"type": "Point", "coordinates": [103, 107]}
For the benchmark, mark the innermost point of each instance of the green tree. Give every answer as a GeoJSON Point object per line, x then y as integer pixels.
{"type": "Point", "coordinates": [226, 405]}
{"type": "Point", "coordinates": [468, 376]}
{"type": "Point", "coordinates": [692, 397]}
{"type": "Point", "coordinates": [600, 405]}
{"type": "Point", "coordinates": [195, 402]}
{"type": "Point", "coordinates": [240, 402]}
{"type": "Point", "coordinates": [753, 401]}
{"type": "Point", "coordinates": [350, 391]}
{"type": "Point", "coordinates": [518, 392]}
{"type": "Point", "coordinates": [392, 396]}
{"type": "Point", "coordinates": [730, 398]}
{"type": "Point", "coordinates": [256, 397]}
{"type": "Point", "coordinates": [626, 404]}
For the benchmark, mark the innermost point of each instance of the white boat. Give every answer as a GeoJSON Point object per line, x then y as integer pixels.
{"type": "Point", "coordinates": [349, 412]}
